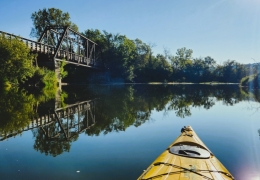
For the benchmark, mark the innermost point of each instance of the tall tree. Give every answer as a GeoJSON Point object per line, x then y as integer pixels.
{"type": "Point", "coordinates": [184, 56]}
{"type": "Point", "coordinates": [229, 71]}
{"type": "Point", "coordinates": [182, 63]}
{"type": "Point", "coordinates": [118, 52]}
{"type": "Point", "coordinates": [50, 17]}
{"type": "Point", "coordinates": [143, 53]}
{"type": "Point", "coordinates": [209, 67]}
{"type": "Point", "coordinates": [197, 69]}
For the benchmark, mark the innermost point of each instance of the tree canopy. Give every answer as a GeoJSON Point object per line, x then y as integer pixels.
{"type": "Point", "coordinates": [15, 60]}
{"type": "Point", "coordinates": [50, 17]}
{"type": "Point", "coordinates": [133, 60]}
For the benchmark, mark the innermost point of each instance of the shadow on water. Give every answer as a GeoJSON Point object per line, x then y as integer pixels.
{"type": "Point", "coordinates": [94, 110]}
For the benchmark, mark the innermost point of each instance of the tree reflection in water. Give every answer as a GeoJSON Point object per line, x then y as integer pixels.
{"type": "Point", "coordinates": [18, 108]}
{"type": "Point", "coordinates": [117, 108]}
{"type": "Point", "coordinates": [16, 111]}
{"type": "Point", "coordinates": [48, 144]}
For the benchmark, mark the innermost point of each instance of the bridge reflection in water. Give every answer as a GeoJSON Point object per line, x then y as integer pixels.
{"type": "Point", "coordinates": [62, 123]}
{"type": "Point", "coordinates": [71, 120]}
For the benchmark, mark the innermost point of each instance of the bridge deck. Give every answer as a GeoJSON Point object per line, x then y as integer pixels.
{"type": "Point", "coordinates": [61, 55]}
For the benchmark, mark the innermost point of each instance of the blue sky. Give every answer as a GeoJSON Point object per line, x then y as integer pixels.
{"type": "Point", "coordinates": [222, 29]}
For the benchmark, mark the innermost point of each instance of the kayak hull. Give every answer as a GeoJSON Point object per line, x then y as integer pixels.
{"type": "Point", "coordinates": [186, 158]}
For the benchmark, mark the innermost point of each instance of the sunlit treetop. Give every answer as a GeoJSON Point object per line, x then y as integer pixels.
{"type": "Point", "coordinates": [50, 17]}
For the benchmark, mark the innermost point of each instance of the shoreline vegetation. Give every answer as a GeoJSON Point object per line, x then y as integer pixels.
{"type": "Point", "coordinates": [153, 83]}
{"type": "Point", "coordinates": [127, 60]}
{"type": "Point", "coordinates": [17, 66]}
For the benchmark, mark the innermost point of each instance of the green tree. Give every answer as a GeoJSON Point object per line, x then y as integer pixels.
{"type": "Point", "coordinates": [127, 55]}
{"type": "Point", "coordinates": [15, 60]}
{"type": "Point", "coordinates": [143, 54]}
{"type": "Point", "coordinates": [218, 73]}
{"type": "Point", "coordinates": [183, 56]}
{"type": "Point", "coordinates": [198, 69]}
{"type": "Point", "coordinates": [209, 66]}
{"type": "Point", "coordinates": [118, 52]}
{"type": "Point", "coordinates": [96, 36]}
{"type": "Point", "coordinates": [229, 71]}
{"type": "Point", "coordinates": [44, 78]}
{"type": "Point", "coordinates": [50, 17]}
{"type": "Point", "coordinates": [163, 68]}
{"type": "Point", "coordinates": [182, 63]}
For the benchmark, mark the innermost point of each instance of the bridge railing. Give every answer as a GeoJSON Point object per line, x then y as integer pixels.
{"type": "Point", "coordinates": [32, 45]}
{"type": "Point", "coordinates": [39, 47]}
{"type": "Point", "coordinates": [74, 57]}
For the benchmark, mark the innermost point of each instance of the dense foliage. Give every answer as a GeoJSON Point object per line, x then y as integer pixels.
{"type": "Point", "coordinates": [15, 60]}
{"type": "Point", "coordinates": [16, 65]}
{"type": "Point", "coordinates": [50, 17]}
{"type": "Point", "coordinates": [43, 78]}
{"type": "Point", "coordinates": [134, 61]}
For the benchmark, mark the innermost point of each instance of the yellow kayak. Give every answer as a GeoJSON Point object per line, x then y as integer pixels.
{"type": "Point", "coordinates": [186, 158]}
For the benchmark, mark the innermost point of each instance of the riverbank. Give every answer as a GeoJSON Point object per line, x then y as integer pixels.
{"type": "Point", "coordinates": [155, 83]}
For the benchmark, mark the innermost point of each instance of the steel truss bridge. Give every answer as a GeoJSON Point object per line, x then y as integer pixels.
{"type": "Point", "coordinates": [64, 44]}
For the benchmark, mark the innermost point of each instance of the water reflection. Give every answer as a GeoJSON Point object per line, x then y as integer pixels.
{"type": "Point", "coordinates": [120, 107]}
{"type": "Point", "coordinates": [55, 124]}
{"type": "Point", "coordinates": [16, 111]}
{"type": "Point", "coordinates": [56, 131]}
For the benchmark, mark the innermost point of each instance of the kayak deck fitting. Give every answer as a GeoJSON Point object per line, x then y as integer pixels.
{"type": "Point", "coordinates": [186, 158]}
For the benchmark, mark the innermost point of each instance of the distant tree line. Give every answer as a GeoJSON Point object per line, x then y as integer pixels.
{"type": "Point", "coordinates": [134, 61]}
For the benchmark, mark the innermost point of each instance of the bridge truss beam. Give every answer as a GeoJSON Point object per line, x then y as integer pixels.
{"type": "Point", "coordinates": [72, 47]}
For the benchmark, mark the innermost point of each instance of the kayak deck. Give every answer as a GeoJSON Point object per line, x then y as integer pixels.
{"type": "Point", "coordinates": [186, 158]}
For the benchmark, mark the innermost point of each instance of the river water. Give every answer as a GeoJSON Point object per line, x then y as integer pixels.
{"type": "Point", "coordinates": [116, 131]}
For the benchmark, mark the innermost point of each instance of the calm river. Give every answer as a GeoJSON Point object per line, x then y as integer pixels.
{"type": "Point", "coordinates": [116, 131]}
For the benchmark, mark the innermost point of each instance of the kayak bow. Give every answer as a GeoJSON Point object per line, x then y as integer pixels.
{"type": "Point", "coordinates": [186, 158]}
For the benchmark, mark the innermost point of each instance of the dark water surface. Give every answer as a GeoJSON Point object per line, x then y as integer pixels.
{"type": "Point", "coordinates": [115, 132]}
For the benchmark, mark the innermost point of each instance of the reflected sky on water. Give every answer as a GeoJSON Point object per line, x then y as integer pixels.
{"type": "Point", "coordinates": [122, 129]}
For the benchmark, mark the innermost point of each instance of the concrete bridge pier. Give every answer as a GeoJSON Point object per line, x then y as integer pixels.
{"type": "Point", "coordinates": [57, 72]}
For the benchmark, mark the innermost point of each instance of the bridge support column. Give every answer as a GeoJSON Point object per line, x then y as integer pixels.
{"type": "Point", "coordinates": [58, 99]}
{"type": "Point", "coordinates": [57, 72]}
{"type": "Point", "coordinates": [58, 76]}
